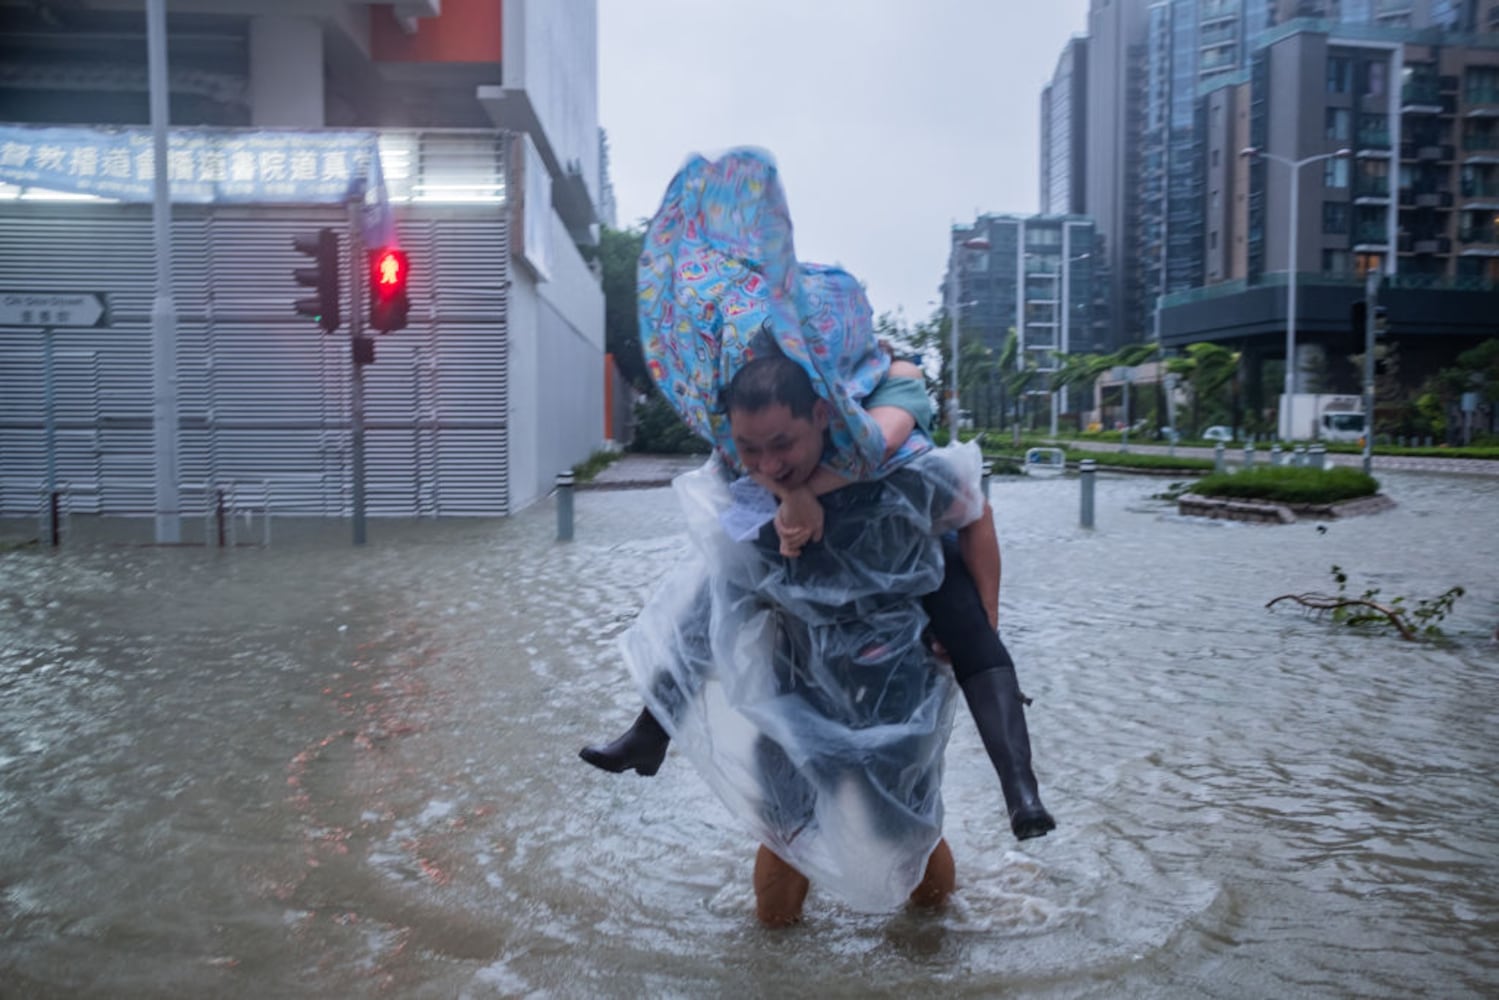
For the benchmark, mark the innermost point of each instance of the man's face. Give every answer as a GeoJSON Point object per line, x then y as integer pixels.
{"type": "Point", "coordinates": [777, 445]}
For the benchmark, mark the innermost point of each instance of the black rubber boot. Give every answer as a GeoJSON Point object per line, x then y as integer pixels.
{"type": "Point", "coordinates": [641, 747]}
{"type": "Point", "coordinates": [998, 709]}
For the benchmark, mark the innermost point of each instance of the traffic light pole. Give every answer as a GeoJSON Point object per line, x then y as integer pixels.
{"type": "Point", "coordinates": [1371, 309]}
{"type": "Point", "coordinates": [164, 416]}
{"type": "Point", "coordinates": [357, 342]}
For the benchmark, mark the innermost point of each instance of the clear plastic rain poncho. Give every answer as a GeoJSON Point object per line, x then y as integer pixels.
{"type": "Point", "coordinates": [800, 688]}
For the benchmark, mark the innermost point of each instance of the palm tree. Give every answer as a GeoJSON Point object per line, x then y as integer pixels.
{"type": "Point", "coordinates": [1085, 369]}
{"type": "Point", "coordinates": [1206, 369]}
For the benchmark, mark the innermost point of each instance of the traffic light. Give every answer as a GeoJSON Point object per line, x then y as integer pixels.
{"type": "Point", "coordinates": [1358, 315]}
{"type": "Point", "coordinates": [322, 247]}
{"type": "Point", "coordinates": [388, 301]}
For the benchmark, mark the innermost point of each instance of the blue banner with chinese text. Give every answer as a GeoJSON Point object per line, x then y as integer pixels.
{"type": "Point", "coordinates": [204, 166]}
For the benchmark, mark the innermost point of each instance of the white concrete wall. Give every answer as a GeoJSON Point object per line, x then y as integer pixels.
{"type": "Point", "coordinates": [556, 370]}
{"type": "Point", "coordinates": [286, 71]}
{"type": "Point", "coordinates": [551, 52]}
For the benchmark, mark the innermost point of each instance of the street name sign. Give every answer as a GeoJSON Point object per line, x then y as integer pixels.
{"type": "Point", "coordinates": [51, 309]}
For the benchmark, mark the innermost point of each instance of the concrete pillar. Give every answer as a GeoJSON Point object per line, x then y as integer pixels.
{"type": "Point", "coordinates": [286, 72]}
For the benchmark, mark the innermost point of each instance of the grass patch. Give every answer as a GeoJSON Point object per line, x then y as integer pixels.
{"type": "Point", "coordinates": [1289, 484]}
{"type": "Point", "coordinates": [594, 464]}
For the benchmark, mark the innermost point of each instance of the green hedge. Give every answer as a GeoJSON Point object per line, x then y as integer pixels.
{"type": "Point", "coordinates": [660, 431]}
{"type": "Point", "coordinates": [1289, 484]}
{"type": "Point", "coordinates": [1135, 460]}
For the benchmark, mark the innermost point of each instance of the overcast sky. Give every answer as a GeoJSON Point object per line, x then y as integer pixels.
{"type": "Point", "coordinates": [890, 119]}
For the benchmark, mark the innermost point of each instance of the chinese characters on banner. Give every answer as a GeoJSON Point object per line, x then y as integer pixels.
{"type": "Point", "coordinates": [206, 166]}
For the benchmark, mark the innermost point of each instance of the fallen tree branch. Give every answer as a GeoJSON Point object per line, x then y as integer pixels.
{"type": "Point", "coordinates": [1325, 602]}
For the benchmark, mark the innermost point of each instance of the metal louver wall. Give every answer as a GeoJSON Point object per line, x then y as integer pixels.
{"type": "Point", "coordinates": [263, 394]}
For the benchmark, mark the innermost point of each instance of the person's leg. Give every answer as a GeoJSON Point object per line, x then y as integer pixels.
{"type": "Point", "coordinates": [986, 675]}
{"type": "Point", "coordinates": [780, 890]}
{"type": "Point", "coordinates": [940, 878]}
{"type": "Point", "coordinates": [642, 747]}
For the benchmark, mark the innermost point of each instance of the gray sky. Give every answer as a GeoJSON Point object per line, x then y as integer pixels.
{"type": "Point", "coordinates": [889, 119]}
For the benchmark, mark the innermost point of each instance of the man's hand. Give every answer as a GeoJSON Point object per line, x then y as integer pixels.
{"type": "Point", "coordinates": [798, 521]}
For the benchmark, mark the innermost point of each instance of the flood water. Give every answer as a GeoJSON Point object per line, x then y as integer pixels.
{"type": "Point", "coordinates": [315, 771]}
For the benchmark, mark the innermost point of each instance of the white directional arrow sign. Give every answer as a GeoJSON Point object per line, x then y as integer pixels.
{"type": "Point", "coordinates": [51, 309]}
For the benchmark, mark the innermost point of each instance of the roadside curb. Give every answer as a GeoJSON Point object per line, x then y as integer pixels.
{"type": "Point", "coordinates": [1269, 512]}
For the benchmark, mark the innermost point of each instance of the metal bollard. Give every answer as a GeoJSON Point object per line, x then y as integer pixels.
{"type": "Point", "coordinates": [1249, 455]}
{"type": "Point", "coordinates": [1218, 457]}
{"type": "Point", "coordinates": [1275, 454]}
{"type": "Point", "coordinates": [564, 506]}
{"type": "Point", "coordinates": [1086, 469]}
{"type": "Point", "coordinates": [1317, 456]}
{"type": "Point", "coordinates": [988, 473]}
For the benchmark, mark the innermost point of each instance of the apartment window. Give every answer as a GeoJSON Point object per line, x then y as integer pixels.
{"type": "Point", "coordinates": [1336, 262]}
{"type": "Point", "coordinates": [1339, 75]}
{"type": "Point", "coordinates": [1335, 217]}
{"type": "Point", "coordinates": [1374, 79]}
{"type": "Point", "coordinates": [1217, 158]}
{"type": "Point", "coordinates": [1335, 173]}
{"type": "Point", "coordinates": [1339, 124]}
{"type": "Point", "coordinates": [1481, 83]}
{"type": "Point", "coordinates": [1213, 240]}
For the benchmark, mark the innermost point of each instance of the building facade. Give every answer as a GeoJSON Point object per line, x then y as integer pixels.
{"type": "Point", "coordinates": [1037, 277]}
{"type": "Point", "coordinates": [1347, 149]}
{"type": "Point", "coordinates": [1178, 90]}
{"type": "Point", "coordinates": [1114, 130]}
{"type": "Point", "coordinates": [485, 114]}
{"type": "Point", "coordinates": [1064, 119]}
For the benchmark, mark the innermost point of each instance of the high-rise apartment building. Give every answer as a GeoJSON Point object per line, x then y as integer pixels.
{"type": "Point", "coordinates": [1111, 163]}
{"type": "Point", "coordinates": [1064, 119]}
{"type": "Point", "coordinates": [1040, 277]}
{"type": "Point", "coordinates": [1414, 112]}
{"type": "Point", "coordinates": [1178, 89]}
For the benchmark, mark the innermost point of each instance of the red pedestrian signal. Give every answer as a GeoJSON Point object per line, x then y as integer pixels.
{"type": "Point", "coordinates": [389, 269]}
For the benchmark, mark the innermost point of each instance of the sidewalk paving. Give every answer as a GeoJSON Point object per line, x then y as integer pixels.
{"type": "Point", "coordinates": [642, 472]}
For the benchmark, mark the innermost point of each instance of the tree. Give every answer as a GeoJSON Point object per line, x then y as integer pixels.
{"type": "Point", "coordinates": [1207, 369]}
{"type": "Point", "coordinates": [618, 254]}
{"type": "Point", "coordinates": [1477, 370]}
{"type": "Point", "coordinates": [926, 341]}
{"type": "Point", "coordinates": [1085, 369]}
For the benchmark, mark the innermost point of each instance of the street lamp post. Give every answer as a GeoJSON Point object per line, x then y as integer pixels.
{"type": "Point", "coordinates": [1295, 197]}
{"type": "Point", "coordinates": [953, 308]}
{"type": "Point", "coordinates": [1063, 338]}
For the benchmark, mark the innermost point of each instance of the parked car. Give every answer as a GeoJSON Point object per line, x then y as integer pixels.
{"type": "Point", "coordinates": [1169, 434]}
{"type": "Point", "coordinates": [1218, 432]}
